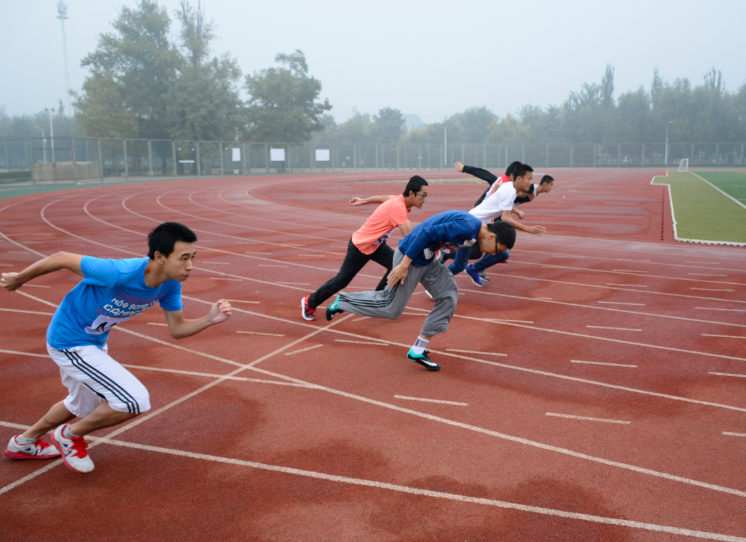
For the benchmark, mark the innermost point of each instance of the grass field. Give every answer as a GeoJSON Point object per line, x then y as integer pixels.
{"type": "Point", "coordinates": [702, 213]}
{"type": "Point", "coordinates": [732, 183]}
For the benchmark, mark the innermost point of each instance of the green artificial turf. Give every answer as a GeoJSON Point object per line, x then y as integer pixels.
{"type": "Point", "coordinates": [732, 183]}
{"type": "Point", "coordinates": [701, 212]}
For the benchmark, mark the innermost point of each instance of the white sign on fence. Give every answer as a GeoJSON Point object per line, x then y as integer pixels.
{"type": "Point", "coordinates": [322, 155]}
{"type": "Point", "coordinates": [236, 155]}
{"type": "Point", "coordinates": [277, 155]}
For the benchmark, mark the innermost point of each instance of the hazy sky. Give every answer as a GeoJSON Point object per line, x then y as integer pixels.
{"type": "Point", "coordinates": [431, 58]}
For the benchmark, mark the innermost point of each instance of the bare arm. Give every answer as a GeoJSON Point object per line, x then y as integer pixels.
{"type": "Point", "coordinates": [55, 262]}
{"type": "Point", "coordinates": [517, 225]}
{"type": "Point", "coordinates": [405, 229]}
{"type": "Point", "coordinates": [179, 327]}
{"type": "Point", "coordinates": [400, 272]}
{"type": "Point", "coordinates": [371, 199]}
{"type": "Point", "coordinates": [518, 213]}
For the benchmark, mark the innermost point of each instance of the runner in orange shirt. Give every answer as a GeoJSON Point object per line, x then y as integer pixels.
{"type": "Point", "coordinates": [369, 242]}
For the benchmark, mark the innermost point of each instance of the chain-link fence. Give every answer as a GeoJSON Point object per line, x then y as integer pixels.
{"type": "Point", "coordinates": [67, 159]}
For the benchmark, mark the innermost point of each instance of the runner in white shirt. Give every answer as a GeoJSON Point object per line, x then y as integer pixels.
{"type": "Point", "coordinates": [498, 204]}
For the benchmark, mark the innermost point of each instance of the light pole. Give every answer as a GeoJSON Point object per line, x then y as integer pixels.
{"type": "Point", "coordinates": [665, 159]}
{"type": "Point", "coordinates": [445, 142]}
{"type": "Point", "coordinates": [51, 130]}
{"type": "Point", "coordinates": [43, 142]}
{"type": "Point", "coordinates": [62, 15]}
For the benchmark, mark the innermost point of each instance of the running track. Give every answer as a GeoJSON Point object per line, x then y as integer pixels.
{"type": "Point", "coordinates": [593, 390]}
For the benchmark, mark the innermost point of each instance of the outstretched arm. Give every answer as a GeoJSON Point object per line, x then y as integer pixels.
{"type": "Point", "coordinates": [517, 225]}
{"type": "Point", "coordinates": [370, 199]}
{"type": "Point", "coordinates": [477, 172]}
{"type": "Point", "coordinates": [179, 327]}
{"type": "Point", "coordinates": [55, 262]}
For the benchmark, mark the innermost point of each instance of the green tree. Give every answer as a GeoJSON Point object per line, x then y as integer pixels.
{"type": "Point", "coordinates": [389, 125]}
{"type": "Point", "coordinates": [282, 106]}
{"type": "Point", "coordinates": [132, 73]}
{"type": "Point", "coordinates": [358, 129]}
{"type": "Point", "coordinates": [204, 102]}
{"type": "Point", "coordinates": [475, 123]}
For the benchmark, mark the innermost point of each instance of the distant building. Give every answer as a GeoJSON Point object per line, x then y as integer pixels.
{"type": "Point", "coordinates": [413, 121]}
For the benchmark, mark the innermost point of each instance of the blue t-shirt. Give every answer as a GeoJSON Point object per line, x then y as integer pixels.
{"type": "Point", "coordinates": [112, 292]}
{"type": "Point", "coordinates": [452, 229]}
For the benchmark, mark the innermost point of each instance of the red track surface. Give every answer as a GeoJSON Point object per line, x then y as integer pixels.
{"type": "Point", "coordinates": [252, 441]}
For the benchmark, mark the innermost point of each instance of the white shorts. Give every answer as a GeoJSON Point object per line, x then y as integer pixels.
{"type": "Point", "coordinates": [90, 375]}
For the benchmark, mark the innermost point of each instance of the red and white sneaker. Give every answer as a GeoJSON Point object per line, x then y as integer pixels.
{"type": "Point", "coordinates": [307, 312]}
{"type": "Point", "coordinates": [40, 449]}
{"type": "Point", "coordinates": [73, 451]}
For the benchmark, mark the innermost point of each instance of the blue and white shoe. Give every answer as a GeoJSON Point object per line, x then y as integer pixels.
{"type": "Point", "coordinates": [333, 309]}
{"type": "Point", "coordinates": [483, 276]}
{"type": "Point", "coordinates": [474, 275]}
{"type": "Point", "coordinates": [423, 360]}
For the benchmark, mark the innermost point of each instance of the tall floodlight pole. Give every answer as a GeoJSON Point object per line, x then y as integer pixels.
{"type": "Point", "coordinates": [43, 142]}
{"type": "Point", "coordinates": [665, 158]}
{"type": "Point", "coordinates": [62, 15]}
{"type": "Point", "coordinates": [445, 143]}
{"type": "Point", "coordinates": [51, 130]}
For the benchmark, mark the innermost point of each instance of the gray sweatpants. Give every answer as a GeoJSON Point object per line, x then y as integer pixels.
{"type": "Point", "coordinates": [390, 302]}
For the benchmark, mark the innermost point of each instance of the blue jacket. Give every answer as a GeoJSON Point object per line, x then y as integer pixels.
{"type": "Point", "coordinates": [450, 229]}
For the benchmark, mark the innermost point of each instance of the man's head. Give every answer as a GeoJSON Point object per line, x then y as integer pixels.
{"type": "Point", "coordinates": [546, 184]}
{"type": "Point", "coordinates": [496, 237]}
{"type": "Point", "coordinates": [415, 193]}
{"type": "Point", "coordinates": [510, 172]}
{"type": "Point", "coordinates": [523, 176]}
{"type": "Point", "coordinates": [171, 246]}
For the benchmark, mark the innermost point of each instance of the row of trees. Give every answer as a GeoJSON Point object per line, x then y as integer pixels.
{"type": "Point", "coordinates": [142, 84]}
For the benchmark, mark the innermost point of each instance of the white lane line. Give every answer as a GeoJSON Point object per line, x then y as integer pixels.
{"type": "Point", "coordinates": [724, 336]}
{"type": "Point", "coordinates": [602, 363]}
{"type": "Point", "coordinates": [269, 265]}
{"type": "Point", "coordinates": [417, 491]}
{"type": "Point", "coordinates": [586, 418]}
{"type": "Point", "coordinates": [714, 289]}
{"type": "Point", "coordinates": [475, 352]}
{"type": "Point", "coordinates": [291, 245]}
{"type": "Point", "coordinates": [619, 303]}
{"type": "Point", "coordinates": [430, 400]}
{"type": "Point", "coordinates": [17, 252]}
{"type": "Point", "coordinates": [363, 318]}
{"type": "Point", "coordinates": [629, 260]}
{"type": "Point", "coordinates": [262, 253]}
{"type": "Point", "coordinates": [423, 415]}
{"type": "Point", "coordinates": [295, 283]}
{"type": "Point", "coordinates": [28, 312]}
{"type": "Point", "coordinates": [242, 301]}
{"type": "Point", "coordinates": [24, 354]}
{"type": "Point", "coordinates": [617, 328]}
{"type": "Point", "coordinates": [214, 263]}
{"type": "Point", "coordinates": [210, 375]}
{"type": "Point", "coordinates": [6, 265]}
{"type": "Point", "coordinates": [630, 271]}
{"type": "Point", "coordinates": [706, 275]}
{"type": "Point", "coordinates": [542, 298]}
{"type": "Point", "coordinates": [156, 324]}
{"type": "Point", "coordinates": [728, 374]}
{"type": "Point", "coordinates": [303, 350]}
{"type": "Point", "coordinates": [734, 434]}
{"type": "Point", "coordinates": [514, 321]}
{"type": "Point", "coordinates": [628, 285]}
{"type": "Point", "coordinates": [27, 285]}
{"type": "Point", "coordinates": [258, 333]}
{"type": "Point", "coordinates": [225, 278]}
{"type": "Point", "coordinates": [412, 314]}
{"type": "Point", "coordinates": [360, 342]}
{"type": "Point", "coordinates": [714, 309]}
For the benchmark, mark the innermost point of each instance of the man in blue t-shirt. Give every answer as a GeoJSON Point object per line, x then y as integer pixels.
{"type": "Point", "coordinates": [101, 392]}
{"type": "Point", "coordinates": [415, 262]}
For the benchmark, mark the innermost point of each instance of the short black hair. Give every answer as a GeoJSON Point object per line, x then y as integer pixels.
{"type": "Point", "coordinates": [414, 185]}
{"type": "Point", "coordinates": [511, 168]}
{"type": "Point", "coordinates": [504, 231]}
{"type": "Point", "coordinates": [521, 170]}
{"type": "Point", "coordinates": [164, 237]}
{"type": "Point", "coordinates": [547, 179]}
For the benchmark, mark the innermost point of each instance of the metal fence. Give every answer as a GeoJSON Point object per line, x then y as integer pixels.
{"type": "Point", "coordinates": [67, 159]}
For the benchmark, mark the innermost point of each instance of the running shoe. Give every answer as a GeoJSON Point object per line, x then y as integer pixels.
{"type": "Point", "coordinates": [40, 449]}
{"type": "Point", "coordinates": [423, 360]}
{"type": "Point", "coordinates": [307, 312]}
{"type": "Point", "coordinates": [333, 309]}
{"type": "Point", "coordinates": [73, 451]}
{"type": "Point", "coordinates": [483, 276]}
{"type": "Point", "coordinates": [474, 275]}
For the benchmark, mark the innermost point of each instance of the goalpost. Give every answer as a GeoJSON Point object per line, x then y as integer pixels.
{"type": "Point", "coordinates": [684, 164]}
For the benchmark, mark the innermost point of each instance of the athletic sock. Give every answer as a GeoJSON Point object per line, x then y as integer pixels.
{"type": "Point", "coordinates": [24, 440]}
{"type": "Point", "coordinates": [67, 433]}
{"type": "Point", "coordinates": [419, 346]}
